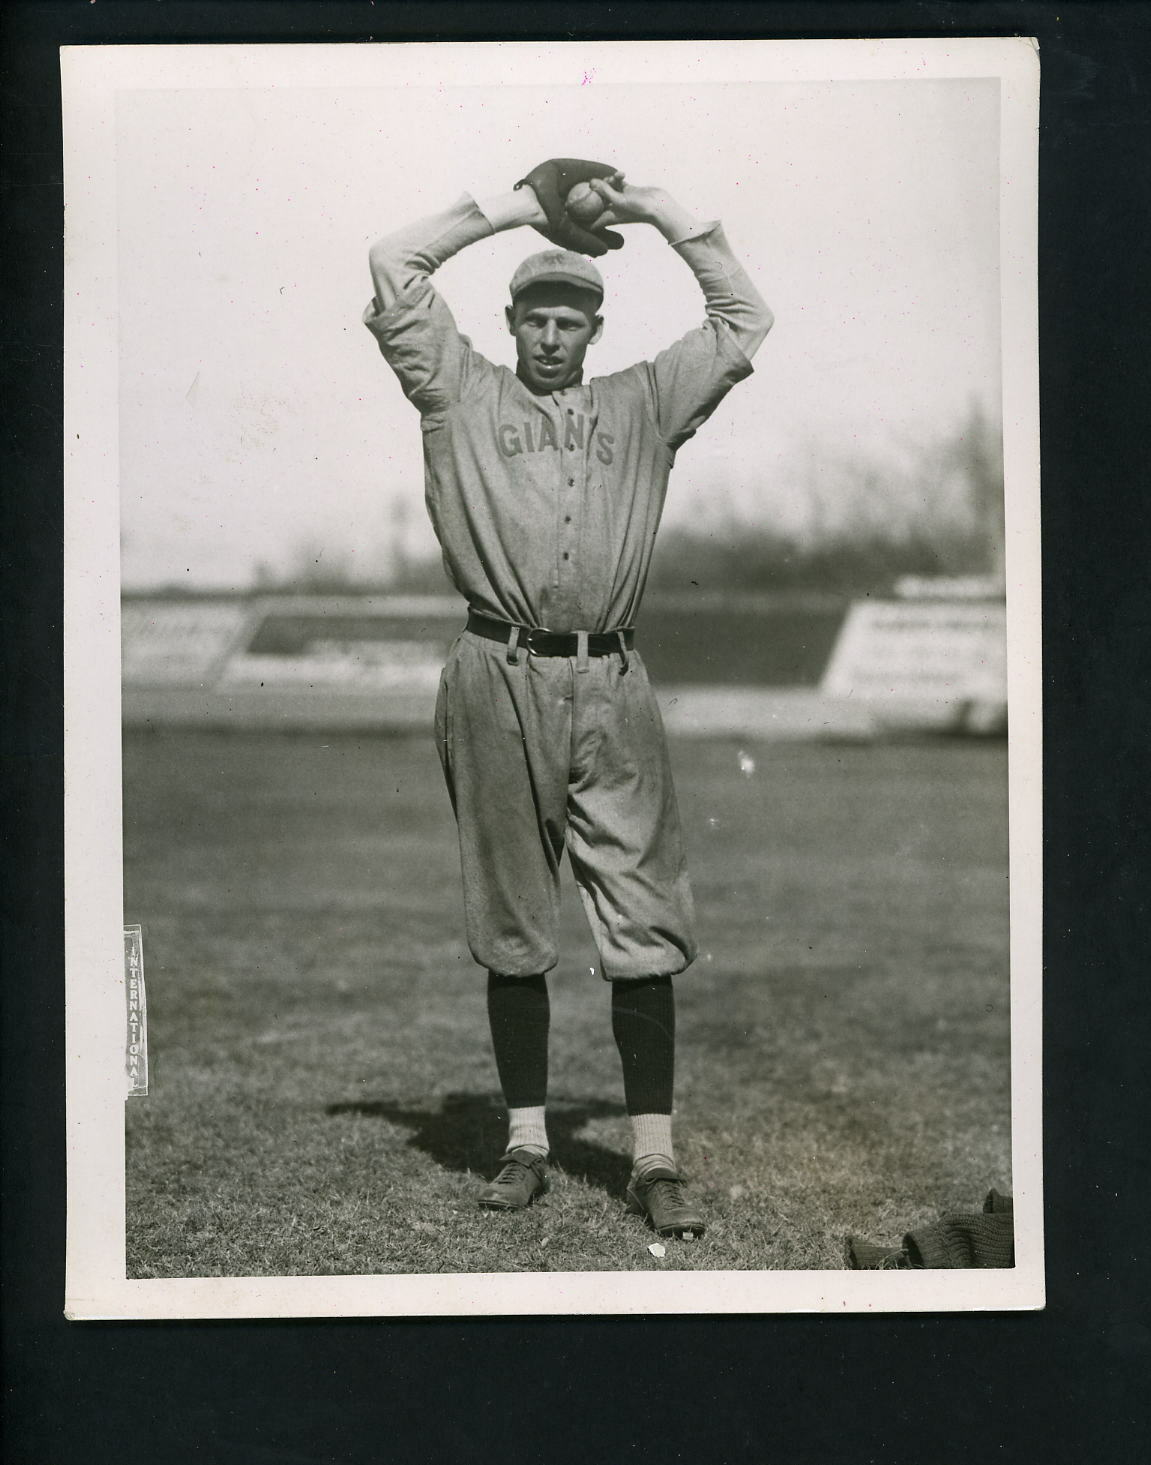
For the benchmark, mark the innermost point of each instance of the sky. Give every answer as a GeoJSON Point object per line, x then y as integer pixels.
{"type": "Point", "coordinates": [257, 418]}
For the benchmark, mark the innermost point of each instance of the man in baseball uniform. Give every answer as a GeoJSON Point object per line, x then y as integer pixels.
{"type": "Point", "coordinates": [545, 491]}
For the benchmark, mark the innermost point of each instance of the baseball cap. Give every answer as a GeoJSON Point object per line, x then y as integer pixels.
{"type": "Point", "coordinates": [557, 266]}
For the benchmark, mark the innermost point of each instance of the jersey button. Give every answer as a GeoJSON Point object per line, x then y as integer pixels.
{"type": "Point", "coordinates": [571, 482]}
{"type": "Point", "coordinates": [567, 518]}
{"type": "Point", "coordinates": [566, 555]}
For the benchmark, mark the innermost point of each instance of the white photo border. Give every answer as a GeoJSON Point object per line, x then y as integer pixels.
{"type": "Point", "coordinates": [92, 77]}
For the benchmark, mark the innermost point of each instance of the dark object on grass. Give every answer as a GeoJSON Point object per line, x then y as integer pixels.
{"type": "Point", "coordinates": [955, 1240]}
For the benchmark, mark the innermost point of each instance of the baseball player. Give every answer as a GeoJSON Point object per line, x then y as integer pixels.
{"type": "Point", "coordinates": [545, 491]}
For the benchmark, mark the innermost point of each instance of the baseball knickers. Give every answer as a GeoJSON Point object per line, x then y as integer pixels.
{"type": "Point", "coordinates": [545, 753]}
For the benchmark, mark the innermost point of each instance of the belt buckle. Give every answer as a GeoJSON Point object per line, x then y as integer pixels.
{"type": "Point", "coordinates": [529, 639]}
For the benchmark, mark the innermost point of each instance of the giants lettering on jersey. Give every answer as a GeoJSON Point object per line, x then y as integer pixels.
{"type": "Point", "coordinates": [515, 439]}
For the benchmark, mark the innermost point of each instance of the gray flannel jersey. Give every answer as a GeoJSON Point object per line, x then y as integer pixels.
{"type": "Point", "coordinates": [547, 507]}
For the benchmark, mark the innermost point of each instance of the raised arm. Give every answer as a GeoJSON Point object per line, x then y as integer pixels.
{"type": "Point", "coordinates": [412, 323]}
{"type": "Point", "coordinates": [729, 295]}
{"type": "Point", "coordinates": [409, 256]}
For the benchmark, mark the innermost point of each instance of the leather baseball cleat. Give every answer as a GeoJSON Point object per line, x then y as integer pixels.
{"type": "Point", "coordinates": [523, 1175]}
{"type": "Point", "coordinates": [659, 1195]}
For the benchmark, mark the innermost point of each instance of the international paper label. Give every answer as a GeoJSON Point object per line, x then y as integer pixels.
{"type": "Point", "coordinates": [137, 1034]}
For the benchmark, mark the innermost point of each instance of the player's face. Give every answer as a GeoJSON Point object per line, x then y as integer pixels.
{"type": "Point", "coordinates": [553, 328]}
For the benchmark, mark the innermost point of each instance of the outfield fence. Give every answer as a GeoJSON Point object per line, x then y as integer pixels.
{"type": "Point", "coordinates": [753, 666]}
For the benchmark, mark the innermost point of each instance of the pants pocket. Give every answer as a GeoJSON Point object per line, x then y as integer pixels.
{"type": "Point", "coordinates": [443, 715]}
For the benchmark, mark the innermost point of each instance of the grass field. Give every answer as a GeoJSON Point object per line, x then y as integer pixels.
{"type": "Point", "coordinates": [323, 1097]}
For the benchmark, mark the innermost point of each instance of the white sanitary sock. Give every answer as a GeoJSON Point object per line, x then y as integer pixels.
{"type": "Point", "coordinates": [528, 1127]}
{"type": "Point", "coordinates": [651, 1141]}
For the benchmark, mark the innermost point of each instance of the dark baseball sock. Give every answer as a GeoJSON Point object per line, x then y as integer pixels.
{"type": "Point", "coordinates": [519, 1013]}
{"type": "Point", "coordinates": [643, 1024]}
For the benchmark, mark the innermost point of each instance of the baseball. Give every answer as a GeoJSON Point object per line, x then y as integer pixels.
{"type": "Point", "coordinates": [583, 203]}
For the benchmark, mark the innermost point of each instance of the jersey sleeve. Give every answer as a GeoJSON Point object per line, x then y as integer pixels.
{"type": "Point", "coordinates": [689, 379]}
{"type": "Point", "coordinates": [419, 339]}
{"type": "Point", "coordinates": [412, 323]}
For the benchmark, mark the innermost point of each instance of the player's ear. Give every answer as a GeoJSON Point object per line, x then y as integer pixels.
{"type": "Point", "coordinates": [510, 317]}
{"type": "Point", "coordinates": [598, 332]}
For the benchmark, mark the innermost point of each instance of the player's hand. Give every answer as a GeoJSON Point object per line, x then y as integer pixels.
{"type": "Point", "coordinates": [550, 182]}
{"type": "Point", "coordinates": [627, 203]}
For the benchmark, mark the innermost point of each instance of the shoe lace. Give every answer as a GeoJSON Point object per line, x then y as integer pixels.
{"type": "Point", "coordinates": [666, 1191]}
{"type": "Point", "coordinates": [511, 1174]}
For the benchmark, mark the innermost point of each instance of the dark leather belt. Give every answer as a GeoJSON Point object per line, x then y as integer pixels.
{"type": "Point", "coordinates": [537, 642]}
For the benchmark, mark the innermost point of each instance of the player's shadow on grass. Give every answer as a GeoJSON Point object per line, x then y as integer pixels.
{"type": "Point", "coordinates": [469, 1132]}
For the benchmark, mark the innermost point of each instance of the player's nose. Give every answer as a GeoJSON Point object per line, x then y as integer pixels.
{"type": "Point", "coordinates": [551, 336]}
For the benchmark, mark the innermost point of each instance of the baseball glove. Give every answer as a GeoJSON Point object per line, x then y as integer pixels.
{"type": "Point", "coordinates": [550, 183]}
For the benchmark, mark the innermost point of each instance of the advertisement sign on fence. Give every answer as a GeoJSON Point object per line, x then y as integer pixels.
{"type": "Point", "coordinates": [921, 651]}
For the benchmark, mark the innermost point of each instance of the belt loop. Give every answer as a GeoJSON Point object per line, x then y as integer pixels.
{"type": "Point", "coordinates": [514, 646]}
{"type": "Point", "coordinates": [581, 651]}
{"type": "Point", "coordinates": [623, 666]}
